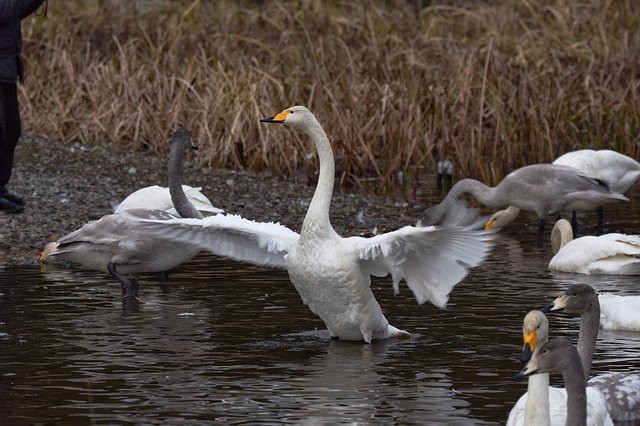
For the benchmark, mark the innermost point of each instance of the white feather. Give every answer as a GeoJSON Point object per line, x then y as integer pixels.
{"type": "Point", "coordinates": [331, 273]}
{"type": "Point", "coordinates": [158, 198]}
{"type": "Point", "coordinates": [609, 254]}
{"type": "Point", "coordinates": [617, 170]}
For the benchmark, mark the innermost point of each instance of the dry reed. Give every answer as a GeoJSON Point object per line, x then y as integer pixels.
{"type": "Point", "coordinates": [490, 85]}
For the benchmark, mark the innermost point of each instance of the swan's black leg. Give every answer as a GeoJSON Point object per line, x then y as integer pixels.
{"type": "Point", "coordinates": [541, 224]}
{"type": "Point", "coordinates": [129, 286]}
{"type": "Point", "coordinates": [600, 220]}
{"type": "Point", "coordinates": [574, 221]}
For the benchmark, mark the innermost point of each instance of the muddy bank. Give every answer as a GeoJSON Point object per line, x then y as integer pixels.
{"type": "Point", "coordinates": [67, 184]}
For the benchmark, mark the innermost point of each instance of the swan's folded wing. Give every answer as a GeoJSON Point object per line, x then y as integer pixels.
{"type": "Point", "coordinates": [619, 312]}
{"type": "Point", "coordinates": [110, 229]}
{"type": "Point", "coordinates": [232, 236]}
{"type": "Point", "coordinates": [159, 198]}
{"type": "Point", "coordinates": [430, 260]}
{"type": "Point", "coordinates": [199, 200]}
{"type": "Point", "coordinates": [621, 390]}
{"type": "Point", "coordinates": [627, 244]}
{"type": "Point", "coordinates": [616, 254]}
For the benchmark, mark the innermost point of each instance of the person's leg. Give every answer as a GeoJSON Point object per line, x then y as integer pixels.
{"type": "Point", "coordinates": [10, 133]}
{"type": "Point", "coordinates": [10, 130]}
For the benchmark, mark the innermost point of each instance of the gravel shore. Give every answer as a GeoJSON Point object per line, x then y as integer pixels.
{"type": "Point", "coordinates": [67, 184]}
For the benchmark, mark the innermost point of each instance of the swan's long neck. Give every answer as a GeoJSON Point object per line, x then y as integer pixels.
{"type": "Point", "coordinates": [589, 326]}
{"type": "Point", "coordinates": [536, 411]}
{"type": "Point", "coordinates": [317, 219]}
{"type": "Point", "coordinates": [575, 383]}
{"type": "Point", "coordinates": [485, 194]}
{"type": "Point", "coordinates": [178, 197]}
{"type": "Point", "coordinates": [561, 235]}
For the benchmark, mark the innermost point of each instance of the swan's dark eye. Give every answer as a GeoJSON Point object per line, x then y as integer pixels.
{"type": "Point", "coordinates": [291, 112]}
{"type": "Point", "coordinates": [574, 294]}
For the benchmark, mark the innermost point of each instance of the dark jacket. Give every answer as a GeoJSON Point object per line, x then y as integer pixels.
{"type": "Point", "coordinates": [11, 14]}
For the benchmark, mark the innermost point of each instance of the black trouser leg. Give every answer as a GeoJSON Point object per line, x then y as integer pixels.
{"type": "Point", "coordinates": [10, 130]}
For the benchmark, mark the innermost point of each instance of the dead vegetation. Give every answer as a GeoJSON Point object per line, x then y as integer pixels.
{"type": "Point", "coordinates": [490, 85]}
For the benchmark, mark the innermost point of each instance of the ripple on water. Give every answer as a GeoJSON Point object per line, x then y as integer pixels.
{"type": "Point", "coordinates": [219, 342]}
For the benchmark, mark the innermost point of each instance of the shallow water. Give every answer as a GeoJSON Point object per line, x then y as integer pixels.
{"type": "Point", "coordinates": [221, 342]}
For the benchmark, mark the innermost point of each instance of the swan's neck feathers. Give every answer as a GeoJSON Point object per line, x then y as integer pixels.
{"type": "Point", "coordinates": [317, 218]}
{"type": "Point", "coordinates": [589, 326]}
{"type": "Point", "coordinates": [485, 194]}
{"type": "Point", "coordinates": [481, 192]}
{"type": "Point", "coordinates": [178, 197]}
{"type": "Point", "coordinates": [577, 395]}
{"type": "Point", "coordinates": [536, 411]}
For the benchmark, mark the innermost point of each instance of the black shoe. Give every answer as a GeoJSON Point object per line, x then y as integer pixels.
{"type": "Point", "coordinates": [15, 199]}
{"type": "Point", "coordinates": [7, 206]}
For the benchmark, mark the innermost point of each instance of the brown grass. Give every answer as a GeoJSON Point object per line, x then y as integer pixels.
{"type": "Point", "coordinates": [491, 85]}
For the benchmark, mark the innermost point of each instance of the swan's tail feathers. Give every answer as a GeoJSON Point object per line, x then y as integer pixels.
{"type": "Point", "coordinates": [396, 332]}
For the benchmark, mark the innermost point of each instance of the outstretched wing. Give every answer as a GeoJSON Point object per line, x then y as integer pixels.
{"type": "Point", "coordinates": [232, 236]}
{"type": "Point", "coordinates": [430, 260]}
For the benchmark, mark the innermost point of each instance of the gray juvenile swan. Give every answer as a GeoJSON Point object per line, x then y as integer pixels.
{"type": "Point", "coordinates": [559, 356]}
{"type": "Point", "coordinates": [540, 188]}
{"type": "Point", "coordinates": [621, 390]}
{"type": "Point", "coordinates": [117, 244]}
{"type": "Point", "coordinates": [332, 274]}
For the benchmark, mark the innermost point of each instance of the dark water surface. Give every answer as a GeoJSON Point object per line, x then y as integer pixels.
{"type": "Point", "coordinates": [222, 343]}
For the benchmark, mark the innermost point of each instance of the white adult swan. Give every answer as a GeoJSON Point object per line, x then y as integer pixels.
{"type": "Point", "coordinates": [157, 197]}
{"type": "Point", "coordinates": [331, 273]}
{"type": "Point", "coordinates": [621, 390]}
{"type": "Point", "coordinates": [617, 170]}
{"type": "Point", "coordinates": [608, 254]}
{"type": "Point", "coordinates": [543, 405]}
{"type": "Point", "coordinates": [540, 188]}
{"type": "Point", "coordinates": [119, 245]}
{"type": "Point", "coordinates": [619, 312]}
{"type": "Point", "coordinates": [559, 356]}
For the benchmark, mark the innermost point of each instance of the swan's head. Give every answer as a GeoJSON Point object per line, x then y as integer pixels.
{"type": "Point", "coordinates": [577, 299]}
{"type": "Point", "coordinates": [502, 218]}
{"type": "Point", "coordinates": [553, 357]}
{"type": "Point", "coordinates": [296, 116]}
{"type": "Point", "coordinates": [48, 251]}
{"type": "Point", "coordinates": [182, 139]}
{"type": "Point", "coordinates": [535, 332]}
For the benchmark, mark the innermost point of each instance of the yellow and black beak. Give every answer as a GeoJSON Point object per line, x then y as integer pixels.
{"type": "Point", "coordinates": [278, 118]}
{"type": "Point", "coordinates": [489, 225]}
{"type": "Point", "coordinates": [530, 340]}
